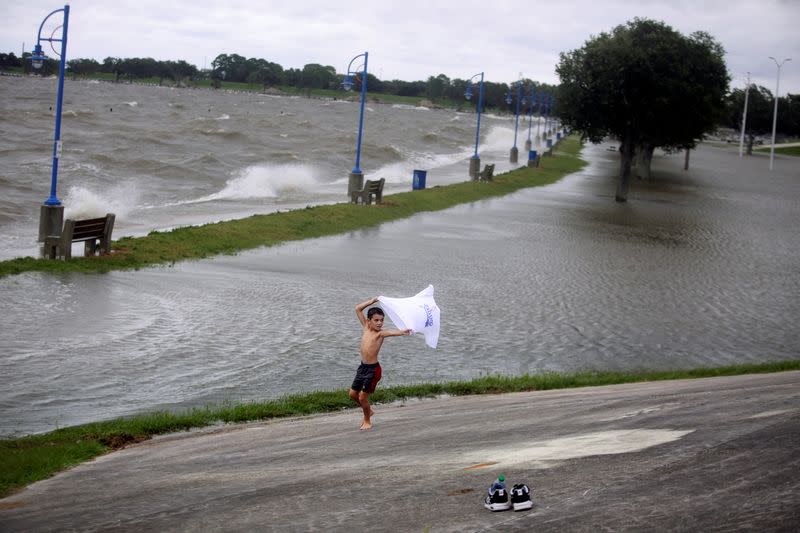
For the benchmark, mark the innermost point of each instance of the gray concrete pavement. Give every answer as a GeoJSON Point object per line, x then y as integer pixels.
{"type": "Point", "coordinates": [717, 454]}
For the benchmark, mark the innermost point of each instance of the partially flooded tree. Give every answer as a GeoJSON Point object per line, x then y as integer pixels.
{"type": "Point", "coordinates": [646, 85]}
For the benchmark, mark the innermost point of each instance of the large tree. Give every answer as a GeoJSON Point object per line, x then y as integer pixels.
{"type": "Point", "coordinates": [646, 85]}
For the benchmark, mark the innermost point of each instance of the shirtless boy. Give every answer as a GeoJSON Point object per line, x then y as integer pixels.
{"type": "Point", "coordinates": [369, 371]}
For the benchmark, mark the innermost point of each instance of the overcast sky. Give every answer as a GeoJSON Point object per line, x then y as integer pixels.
{"type": "Point", "coordinates": [408, 40]}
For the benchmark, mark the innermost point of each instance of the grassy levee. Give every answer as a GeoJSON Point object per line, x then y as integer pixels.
{"type": "Point", "coordinates": [32, 458]}
{"type": "Point", "coordinates": [229, 237]}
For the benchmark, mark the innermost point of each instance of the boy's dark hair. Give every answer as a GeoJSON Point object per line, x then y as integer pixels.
{"type": "Point", "coordinates": [374, 311]}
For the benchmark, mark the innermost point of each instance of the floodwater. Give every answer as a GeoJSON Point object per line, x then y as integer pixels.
{"type": "Point", "coordinates": [699, 268]}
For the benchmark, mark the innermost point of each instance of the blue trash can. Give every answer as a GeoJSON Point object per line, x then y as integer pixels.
{"type": "Point", "coordinates": [549, 143]}
{"type": "Point", "coordinates": [532, 155]}
{"type": "Point", "coordinates": [419, 180]}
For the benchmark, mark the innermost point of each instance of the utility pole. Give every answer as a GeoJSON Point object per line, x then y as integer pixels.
{"type": "Point", "coordinates": [744, 114]}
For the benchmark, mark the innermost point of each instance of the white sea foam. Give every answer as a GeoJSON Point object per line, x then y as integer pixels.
{"type": "Point", "coordinates": [224, 117]}
{"type": "Point", "coordinates": [132, 104]}
{"type": "Point", "coordinates": [266, 181]}
{"type": "Point", "coordinates": [497, 138]}
{"type": "Point", "coordinates": [81, 202]}
{"type": "Point", "coordinates": [411, 107]}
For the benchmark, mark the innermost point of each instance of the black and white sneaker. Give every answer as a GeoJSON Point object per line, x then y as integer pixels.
{"type": "Point", "coordinates": [497, 499]}
{"type": "Point", "coordinates": [521, 497]}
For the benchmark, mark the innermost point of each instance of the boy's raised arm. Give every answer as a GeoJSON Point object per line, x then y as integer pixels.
{"type": "Point", "coordinates": [360, 309]}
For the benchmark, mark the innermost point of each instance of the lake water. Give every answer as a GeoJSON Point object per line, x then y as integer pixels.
{"type": "Point", "coordinates": [698, 268]}
{"type": "Point", "coordinates": [162, 157]}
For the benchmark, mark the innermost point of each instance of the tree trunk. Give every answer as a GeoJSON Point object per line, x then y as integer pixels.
{"type": "Point", "coordinates": [625, 157]}
{"type": "Point", "coordinates": [647, 159]}
{"type": "Point", "coordinates": [750, 140]}
{"type": "Point", "coordinates": [644, 155]}
{"type": "Point", "coordinates": [686, 161]}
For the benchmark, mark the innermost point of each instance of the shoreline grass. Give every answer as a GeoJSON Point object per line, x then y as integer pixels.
{"type": "Point", "coordinates": [784, 150]}
{"type": "Point", "coordinates": [28, 459]}
{"type": "Point", "coordinates": [232, 236]}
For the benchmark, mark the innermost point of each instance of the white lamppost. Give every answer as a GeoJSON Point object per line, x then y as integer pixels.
{"type": "Point", "coordinates": [775, 112]}
{"type": "Point", "coordinates": [744, 114]}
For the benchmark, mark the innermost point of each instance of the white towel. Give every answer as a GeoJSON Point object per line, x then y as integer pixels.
{"type": "Point", "coordinates": [419, 313]}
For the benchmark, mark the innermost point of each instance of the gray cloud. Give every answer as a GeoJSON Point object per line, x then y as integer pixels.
{"type": "Point", "coordinates": [410, 40]}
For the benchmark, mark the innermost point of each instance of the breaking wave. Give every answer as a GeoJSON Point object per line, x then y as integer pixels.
{"type": "Point", "coordinates": [266, 181]}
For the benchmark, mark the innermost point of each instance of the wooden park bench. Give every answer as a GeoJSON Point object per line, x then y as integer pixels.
{"type": "Point", "coordinates": [487, 174]}
{"type": "Point", "coordinates": [94, 232]}
{"type": "Point", "coordinates": [371, 188]}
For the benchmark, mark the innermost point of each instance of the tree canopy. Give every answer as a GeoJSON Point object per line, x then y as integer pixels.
{"type": "Point", "coordinates": [646, 85]}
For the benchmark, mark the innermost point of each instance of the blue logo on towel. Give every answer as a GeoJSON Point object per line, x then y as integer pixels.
{"type": "Point", "coordinates": [428, 315]}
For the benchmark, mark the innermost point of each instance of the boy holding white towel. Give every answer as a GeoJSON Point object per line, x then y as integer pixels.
{"type": "Point", "coordinates": [369, 371]}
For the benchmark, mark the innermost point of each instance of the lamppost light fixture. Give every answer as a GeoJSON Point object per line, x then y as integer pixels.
{"type": "Point", "coordinates": [468, 92]}
{"type": "Point", "coordinates": [38, 57]}
{"type": "Point", "coordinates": [347, 82]}
{"type": "Point", "coordinates": [509, 98]}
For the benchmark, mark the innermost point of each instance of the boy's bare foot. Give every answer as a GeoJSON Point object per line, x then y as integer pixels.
{"type": "Point", "coordinates": [365, 425]}
{"type": "Point", "coordinates": [371, 412]}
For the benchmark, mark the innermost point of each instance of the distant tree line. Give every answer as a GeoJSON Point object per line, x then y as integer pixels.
{"type": "Point", "coordinates": [236, 68]}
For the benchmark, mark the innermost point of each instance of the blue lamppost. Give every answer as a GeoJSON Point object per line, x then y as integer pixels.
{"type": "Point", "coordinates": [509, 99]}
{"type": "Point", "coordinates": [531, 101]}
{"type": "Point", "coordinates": [475, 160]}
{"type": "Point", "coordinates": [542, 100]}
{"type": "Point", "coordinates": [548, 126]}
{"type": "Point", "coordinates": [547, 115]}
{"type": "Point", "coordinates": [356, 179]}
{"type": "Point", "coordinates": [52, 212]}
{"type": "Point", "coordinates": [553, 119]}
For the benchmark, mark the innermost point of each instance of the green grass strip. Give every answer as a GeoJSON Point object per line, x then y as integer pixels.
{"type": "Point", "coordinates": [785, 150]}
{"type": "Point", "coordinates": [28, 459]}
{"type": "Point", "coordinates": [230, 237]}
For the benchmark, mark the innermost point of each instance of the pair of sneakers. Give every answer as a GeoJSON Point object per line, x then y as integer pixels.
{"type": "Point", "coordinates": [498, 498]}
